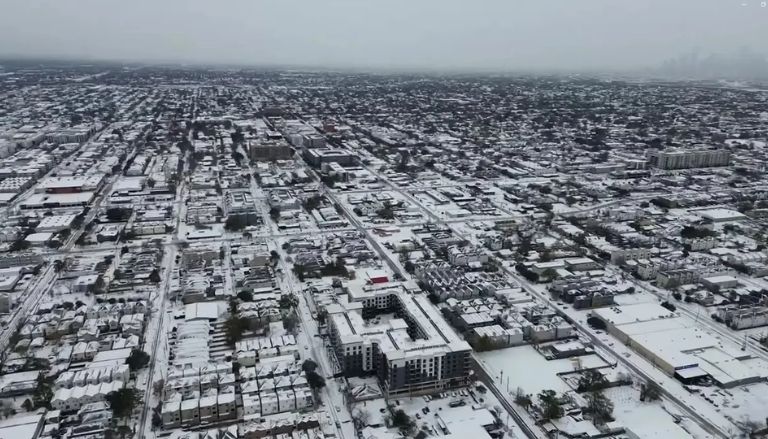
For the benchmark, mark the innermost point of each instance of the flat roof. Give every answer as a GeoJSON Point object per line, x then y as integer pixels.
{"type": "Point", "coordinates": [650, 326]}
{"type": "Point", "coordinates": [202, 310]}
{"type": "Point", "coordinates": [392, 335]}
{"type": "Point", "coordinates": [619, 315]}
{"type": "Point", "coordinates": [18, 377]}
{"type": "Point", "coordinates": [66, 199]}
{"type": "Point", "coordinates": [466, 422]}
{"type": "Point", "coordinates": [6, 197]}
{"type": "Point", "coordinates": [376, 273]}
{"type": "Point", "coordinates": [20, 427]}
{"type": "Point", "coordinates": [128, 184]}
{"type": "Point", "coordinates": [721, 214]}
{"type": "Point", "coordinates": [56, 221]}
{"type": "Point", "coordinates": [552, 264]}
{"type": "Point", "coordinates": [204, 233]}
{"type": "Point", "coordinates": [39, 237]}
{"type": "Point", "coordinates": [691, 372]}
{"type": "Point", "coordinates": [721, 278]}
{"type": "Point", "coordinates": [114, 354]}
{"type": "Point", "coordinates": [476, 317]}
{"type": "Point", "coordinates": [70, 181]}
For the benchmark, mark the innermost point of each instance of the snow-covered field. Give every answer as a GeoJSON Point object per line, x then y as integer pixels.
{"type": "Point", "coordinates": [524, 367]}
{"type": "Point", "coordinates": [648, 419]}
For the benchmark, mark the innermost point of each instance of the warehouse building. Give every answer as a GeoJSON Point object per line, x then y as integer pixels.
{"type": "Point", "coordinates": [70, 184]}
{"type": "Point", "coordinates": [677, 346]}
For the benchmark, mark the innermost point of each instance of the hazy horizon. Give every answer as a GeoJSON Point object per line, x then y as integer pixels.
{"type": "Point", "coordinates": [492, 35]}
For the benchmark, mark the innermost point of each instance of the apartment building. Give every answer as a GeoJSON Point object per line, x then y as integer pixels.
{"type": "Point", "coordinates": [401, 338]}
{"type": "Point", "coordinates": [674, 158]}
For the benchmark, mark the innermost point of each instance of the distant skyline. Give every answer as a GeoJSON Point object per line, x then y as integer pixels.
{"type": "Point", "coordinates": [486, 35]}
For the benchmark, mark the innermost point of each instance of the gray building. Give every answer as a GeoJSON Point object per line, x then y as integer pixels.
{"type": "Point", "coordinates": [268, 151]}
{"type": "Point", "coordinates": [400, 338]}
{"type": "Point", "coordinates": [317, 156]}
{"type": "Point", "coordinates": [674, 158]}
{"type": "Point", "coordinates": [313, 141]}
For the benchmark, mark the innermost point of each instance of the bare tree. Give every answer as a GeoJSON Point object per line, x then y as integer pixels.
{"type": "Point", "coordinates": [650, 391]}
{"type": "Point", "coordinates": [361, 418]}
{"type": "Point", "coordinates": [522, 399]}
{"type": "Point", "coordinates": [600, 407]}
{"type": "Point", "coordinates": [624, 377]}
{"type": "Point", "coordinates": [157, 387]}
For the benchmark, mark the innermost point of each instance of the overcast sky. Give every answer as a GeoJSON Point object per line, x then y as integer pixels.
{"type": "Point", "coordinates": [435, 34]}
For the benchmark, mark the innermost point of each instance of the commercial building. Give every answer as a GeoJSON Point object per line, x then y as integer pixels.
{"type": "Point", "coordinates": [719, 283]}
{"type": "Point", "coordinates": [318, 156]}
{"type": "Point", "coordinates": [42, 201]}
{"type": "Point", "coordinates": [405, 342]}
{"type": "Point", "coordinates": [677, 346]}
{"type": "Point", "coordinates": [20, 259]}
{"type": "Point", "coordinates": [270, 150]}
{"type": "Point", "coordinates": [55, 223]}
{"type": "Point", "coordinates": [28, 426]}
{"type": "Point", "coordinates": [239, 202]}
{"type": "Point", "coordinates": [19, 383]}
{"type": "Point", "coordinates": [70, 184]}
{"type": "Point", "coordinates": [7, 197]}
{"type": "Point", "coordinates": [15, 185]}
{"type": "Point", "coordinates": [9, 278]}
{"type": "Point", "coordinates": [313, 141]}
{"type": "Point", "coordinates": [722, 215]}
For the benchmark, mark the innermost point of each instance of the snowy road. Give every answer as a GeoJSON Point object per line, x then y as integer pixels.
{"type": "Point", "coordinates": [156, 331]}
{"type": "Point", "coordinates": [334, 405]}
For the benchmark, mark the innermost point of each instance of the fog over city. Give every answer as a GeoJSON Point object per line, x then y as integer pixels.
{"type": "Point", "coordinates": [369, 219]}
{"type": "Point", "coordinates": [509, 35]}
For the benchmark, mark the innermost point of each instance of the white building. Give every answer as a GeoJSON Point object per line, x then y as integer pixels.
{"type": "Point", "coordinates": [71, 399]}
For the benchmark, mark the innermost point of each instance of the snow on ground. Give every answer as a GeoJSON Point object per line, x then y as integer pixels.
{"type": "Point", "coordinates": [646, 419]}
{"type": "Point", "coordinates": [332, 397]}
{"type": "Point", "coordinates": [616, 348]}
{"type": "Point", "coordinates": [524, 367]}
{"type": "Point", "coordinates": [753, 398]}
{"type": "Point", "coordinates": [634, 299]}
{"type": "Point", "coordinates": [664, 380]}
{"type": "Point", "coordinates": [437, 406]}
{"type": "Point", "coordinates": [448, 210]}
{"type": "Point", "coordinates": [740, 404]}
